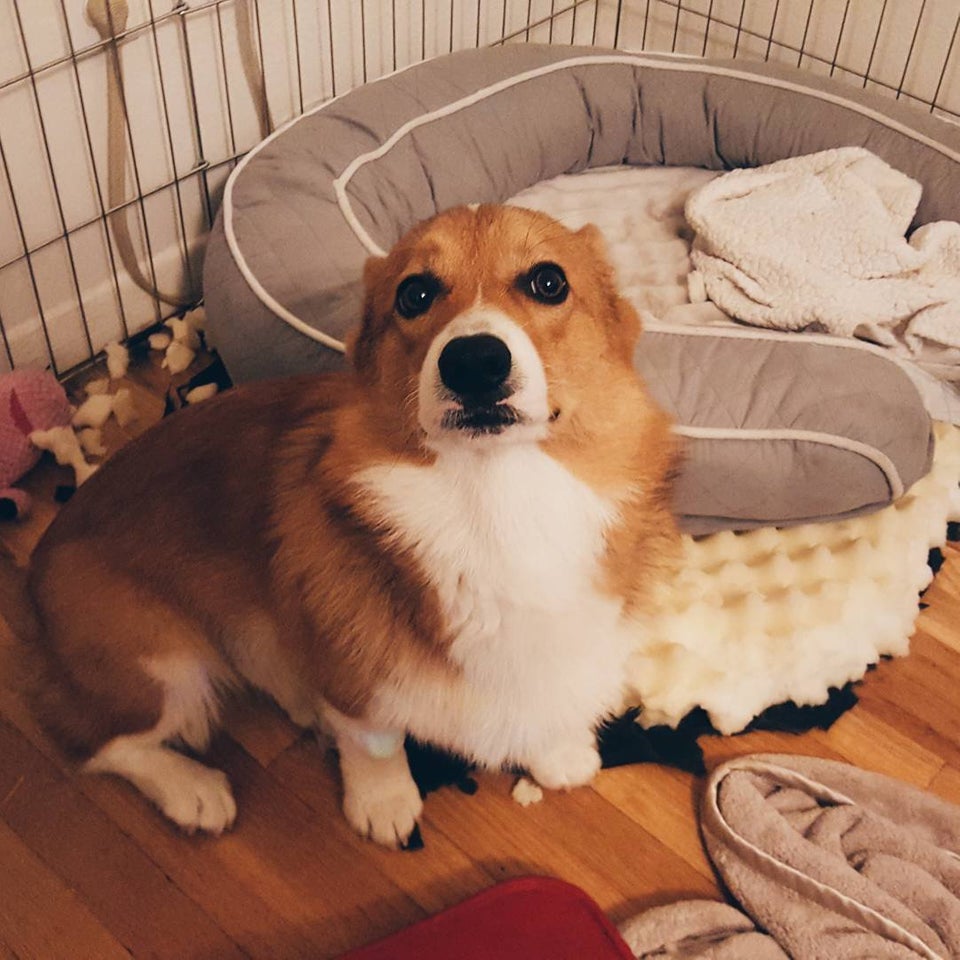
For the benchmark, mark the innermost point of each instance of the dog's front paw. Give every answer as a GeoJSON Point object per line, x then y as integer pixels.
{"type": "Point", "coordinates": [385, 810]}
{"type": "Point", "coordinates": [566, 766]}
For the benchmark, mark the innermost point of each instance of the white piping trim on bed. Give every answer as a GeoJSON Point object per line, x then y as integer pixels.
{"type": "Point", "coordinates": [233, 245]}
{"type": "Point", "coordinates": [735, 331]}
{"type": "Point", "coordinates": [800, 882]}
{"type": "Point", "coordinates": [340, 183]}
{"type": "Point", "coordinates": [877, 457]}
{"type": "Point", "coordinates": [941, 402]}
{"type": "Point", "coordinates": [661, 62]}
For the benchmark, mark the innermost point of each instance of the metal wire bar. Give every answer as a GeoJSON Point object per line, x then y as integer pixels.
{"type": "Point", "coordinates": [91, 155]}
{"type": "Point", "coordinates": [363, 37]}
{"type": "Point", "coordinates": [808, 55]}
{"type": "Point", "coordinates": [646, 23]}
{"type": "Point", "coordinates": [393, 31]}
{"type": "Point", "coordinates": [806, 31]}
{"type": "Point", "coordinates": [6, 343]}
{"type": "Point", "coordinates": [947, 59]}
{"type": "Point", "coordinates": [706, 30]}
{"type": "Point", "coordinates": [876, 43]}
{"type": "Point", "coordinates": [228, 100]}
{"type": "Point", "coordinates": [736, 41]}
{"type": "Point", "coordinates": [296, 50]}
{"type": "Point", "coordinates": [184, 243]}
{"type": "Point", "coordinates": [836, 49]}
{"type": "Point", "coordinates": [28, 259]}
{"type": "Point", "coordinates": [48, 156]}
{"type": "Point", "coordinates": [105, 215]}
{"type": "Point", "coordinates": [913, 43]}
{"type": "Point", "coordinates": [113, 63]}
{"type": "Point", "coordinates": [450, 23]}
{"type": "Point", "coordinates": [524, 31]}
{"type": "Point", "coordinates": [773, 29]}
{"type": "Point", "coordinates": [195, 118]}
{"type": "Point", "coordinates": [333, 60]}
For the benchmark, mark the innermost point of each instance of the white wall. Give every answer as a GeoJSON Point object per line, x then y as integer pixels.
{"type": "Point", "coordinates": [53, 166]}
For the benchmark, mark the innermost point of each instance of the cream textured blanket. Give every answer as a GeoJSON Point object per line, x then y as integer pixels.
{"type": "Point", "coordinates": [828, 862]}
{"type": "Point", "coordinates": [819, 243]}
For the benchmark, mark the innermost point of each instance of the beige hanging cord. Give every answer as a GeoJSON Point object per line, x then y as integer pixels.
{"type": "Point", "coordinates": [109, 18]}
{"type": "Point", "coordinates": [252, 70]}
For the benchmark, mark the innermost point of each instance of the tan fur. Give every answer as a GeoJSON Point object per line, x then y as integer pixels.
{"type": "Point", "coordinates": [232, 533]}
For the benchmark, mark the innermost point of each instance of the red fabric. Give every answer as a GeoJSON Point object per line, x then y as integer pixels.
{"type": "Point", "coordinates": [532, 918]}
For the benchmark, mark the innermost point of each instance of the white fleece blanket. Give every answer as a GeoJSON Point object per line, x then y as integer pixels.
{"type": "Point", "coordinates": [641, 213]}
{"type": "Point", "coordinates": [819, 243]}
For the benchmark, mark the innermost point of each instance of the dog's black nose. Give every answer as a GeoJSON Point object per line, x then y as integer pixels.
{"type": "Point", "coordinates": [475, 367]}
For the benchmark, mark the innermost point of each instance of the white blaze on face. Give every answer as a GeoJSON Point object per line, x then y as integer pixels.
{"type": "Point", "coordinates": [526, 380]}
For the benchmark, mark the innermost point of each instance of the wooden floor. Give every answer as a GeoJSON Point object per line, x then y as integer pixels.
{"type": "Point", "coordinates": [89, 870]}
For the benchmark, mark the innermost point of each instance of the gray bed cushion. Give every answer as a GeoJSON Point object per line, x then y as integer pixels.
{"type": "Point", "coordinates": [303, 211]}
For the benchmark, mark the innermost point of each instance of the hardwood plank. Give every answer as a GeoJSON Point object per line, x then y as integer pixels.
{"type": "Point", "coordinates": [939, 619]}
{"type": "Point", "coordinates": [862, 738]}
{"type": "Point", "coordinates": [40, 916]}
{"type": "Point", "coordinates": [260, 727]}
{"type": "Point", "coordinates": [435, 877]}
{"type": "Point", "coordinates": [260, 883]}
{"type": "Point", "coordinates": [946, 785]}
{"type": "Point", "coordinates": [293, 881]}
{"type": "Point", "coordinates": [119, 884]}
{"type": "Point", "coordinates": [916, 695]}
{"type": "Point", "coordinates": [579, 836]}
{"type": "Point", "coordinates": [310, 870]}
{"type": "Point", "coordinates": [716, 750]}
{"type": "Point", "coordinates": [664, 803]}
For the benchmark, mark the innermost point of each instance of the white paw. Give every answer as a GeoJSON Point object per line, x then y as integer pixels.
{"type": "Point", "coordinates": [385, 811]}
{"type": "Point", "coordinates": [566, 766]}
{"type": "Point", "coordinates": [198, 798]}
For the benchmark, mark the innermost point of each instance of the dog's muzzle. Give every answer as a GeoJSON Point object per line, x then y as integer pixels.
{"type": "Point", "coordinates": [476, 370]}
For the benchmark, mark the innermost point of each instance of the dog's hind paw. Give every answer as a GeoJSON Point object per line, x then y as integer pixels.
{"type": "Point", "coordinates": [200, 799]}
{"type": "Point", "coordinates": [192, 795]}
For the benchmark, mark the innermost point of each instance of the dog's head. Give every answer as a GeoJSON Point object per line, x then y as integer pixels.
{"type": "Point", "coordinates": [494, 324]}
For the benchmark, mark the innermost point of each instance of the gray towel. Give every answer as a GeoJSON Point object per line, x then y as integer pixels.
{"type": "Point", "coordinates": [829, 862]}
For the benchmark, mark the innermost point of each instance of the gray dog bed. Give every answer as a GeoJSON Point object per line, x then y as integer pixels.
{"type": "Point", "coordinates": [835, 428]}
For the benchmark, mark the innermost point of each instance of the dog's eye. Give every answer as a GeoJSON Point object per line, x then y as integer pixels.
{"type": "Point", "coordinates": [546, 283]}
{"type": "Point", "coordinates": [416, 295]}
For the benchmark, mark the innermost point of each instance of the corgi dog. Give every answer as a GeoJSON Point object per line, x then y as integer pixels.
{"type": "Point", "coordinates": [456, 539]}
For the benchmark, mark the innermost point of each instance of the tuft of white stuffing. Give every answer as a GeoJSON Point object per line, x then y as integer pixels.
{"type": "Point", "coordinates": [118, 360]}
{"type": "Point", "coordinates": [94, 411]}
{"type": "Point", "coordinates": [526, 792]}
{"type": "Point", "coordinates": [184, 332]}
{"type": "Point", "coordinates": [204, 392]}
{"type": "Point", "coordinates": [91, 441]}
{"type": "Point", "coordinates": [160, 341]}
{"type": "Point", "coordinates": [178, 357]}
{"type": "Point", "coordinates": [123, 407]}
{"type": "Point", "coordinates": [63, 443]}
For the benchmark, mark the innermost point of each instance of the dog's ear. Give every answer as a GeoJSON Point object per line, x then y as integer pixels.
{"type": "Point", "coordinates": [359, 345]}
{"type": "Point", "coordinates": [622, 319]}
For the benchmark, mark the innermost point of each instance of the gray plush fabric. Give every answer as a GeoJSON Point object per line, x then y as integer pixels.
{"type": "Point", "coordinates": [827, 861]}
{"type": "Point", "coordinates": [282, 247]}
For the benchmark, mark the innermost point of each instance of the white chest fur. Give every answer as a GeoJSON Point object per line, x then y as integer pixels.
{"type": "Point", "coordinates": [512, 542]}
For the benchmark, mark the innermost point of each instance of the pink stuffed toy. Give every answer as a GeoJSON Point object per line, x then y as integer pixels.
{"type": "Point", "coordinates": [29, 400]}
